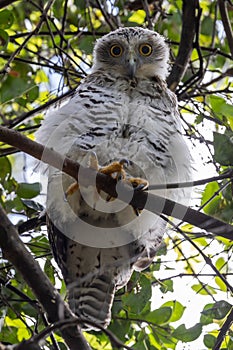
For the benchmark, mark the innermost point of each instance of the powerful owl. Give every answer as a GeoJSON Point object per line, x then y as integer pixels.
{"type": "Point", "coordinates": [122, 121]}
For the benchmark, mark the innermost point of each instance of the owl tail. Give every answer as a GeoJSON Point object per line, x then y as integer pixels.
{"type": "Point", "coordinates": [93, 301]}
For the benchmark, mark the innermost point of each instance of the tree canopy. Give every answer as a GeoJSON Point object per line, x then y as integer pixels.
{"type": "Point", "coordinates": [45, 50]}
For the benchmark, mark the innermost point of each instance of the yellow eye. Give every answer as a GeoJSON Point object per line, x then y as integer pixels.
{"type": "Point", "coordinates": [145, 49]}
{"type": "Point", "coordinates": [116, 50]}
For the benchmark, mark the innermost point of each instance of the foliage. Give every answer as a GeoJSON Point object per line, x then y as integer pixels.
{"type": "Point", "coordinates": [45, 50]}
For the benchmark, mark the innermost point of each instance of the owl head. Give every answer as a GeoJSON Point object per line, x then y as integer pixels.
{"type": "Point", "coordinates": [132, 52]}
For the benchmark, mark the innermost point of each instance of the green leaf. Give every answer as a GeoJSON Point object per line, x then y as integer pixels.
{"type": "Point", "coordinates": [159, 316]}
{"type": "Point", "coordinates": [30, 204]}
{"type": "Point", "coordinates": [120, 328]}
{"type": "Point", "coordinates": [18, 82]}
{"type": "Point", "coordinates": [26, 190]}
{"type": "Point", "coordinates": [86, 44]}
{"type": "Point", "coordinates": [199, 288]}
{"type": "Point", "coordinates": [136, 300]}
{"type": "Point", "coordinates": [220, 264]}
{"type": "Point", "coordinates": [216, 311]}
{"type": "Point", "coordinates": [49, 270]}
{"type": "Point", "coordinates": [223, 148]}
{"type": "Point", "coordinates": [32, 94]}
{"type": "Point", "coordinates": [177, 310]}
{"type": "Point", "coordinates": [187, 334]}
{"type": "Point", "coordinates": [212, 206]}
{"type": "Point", "coordinates": [5, 168]}
{"type": "Point", "coordinates": [138, 17]}
{"type": "Point", "coordinates": [6, 19]}
{"type": "Point", "coordinates": [206, 318]}
{"type": "Point", "coordinates": [167, 286]}
{"type": "Point", "coordinates": [222, 109]}
{"type": "Point", "coordinates": [209, 341]}
{"type": "Point", "coordinates": [4, 39]}
{"type": "Point", "coordinates": [221, 284]}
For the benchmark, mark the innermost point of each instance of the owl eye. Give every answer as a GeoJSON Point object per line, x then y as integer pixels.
{"type": "Point", "coordinates": [145, 49]}
{"type": "Point", "coordinates": [116, 50]}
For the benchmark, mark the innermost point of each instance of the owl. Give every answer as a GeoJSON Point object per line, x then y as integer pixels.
{"type": "Point", "coordinates": [122, 121]}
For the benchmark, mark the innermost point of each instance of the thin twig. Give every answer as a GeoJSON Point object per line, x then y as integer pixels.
{"type": "Point", "coordinates": [227, 175]}
{"type": "Point", "coordinates": [36, 30]}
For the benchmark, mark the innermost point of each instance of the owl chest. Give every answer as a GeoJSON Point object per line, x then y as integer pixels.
{"type": "Point", "coordinates": [123, 108]}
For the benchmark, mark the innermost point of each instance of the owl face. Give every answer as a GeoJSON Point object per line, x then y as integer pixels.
{"type": "Point", "coordinates": [133, 53]}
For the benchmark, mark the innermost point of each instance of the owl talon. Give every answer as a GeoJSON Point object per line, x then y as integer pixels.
{"type": "Point", "coordinates": [70, 190]}
{"type": "Point", "coordinates": [93, 164]}
{"type": "Point", "coordinates": [138, 183]}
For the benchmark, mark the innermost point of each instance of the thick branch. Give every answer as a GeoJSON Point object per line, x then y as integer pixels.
{"type": "Point", "coordinates": [14, 250]}
{"type": "Point", "coordinates": [139, 200]}
{"type": "Point", "coordinates": [186, 43]}
{"type": "Point", "coordinates": [4, 3]}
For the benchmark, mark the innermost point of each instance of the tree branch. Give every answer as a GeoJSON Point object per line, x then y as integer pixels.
{"type": "Point", "coordinates": [14, 251]}
{"type": "Point", "coordinates": [226, 23]}
{"type": "Point", "coordinates": [140, 199]}
{"type": "Point", "coordinates": [186, 43]}
{"type": "Point", "coordinates": [5, 3]}
{"type": "Point", "coordinates": [223, 331]}
{"type": "Point", "coordinates": [28, 344]}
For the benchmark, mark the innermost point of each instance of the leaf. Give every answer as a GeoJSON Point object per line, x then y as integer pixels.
{"type": "Point", "coordinates": [32, 94]}
{"type": "Point", "coordinates": [177, 310]}
{"type": "Point", "coordinates": [86, 44]}
{"type": "Point", "coordinates": [209, 341]}
{"type": "Point", "coordinates": [221, 108]}
{"type": "Point", "coordinates": [223, 148]}
{"type": "Point", "coordinates": [120, 328]}
{"type": "Point", "coordinates": [4, 39]}
{"type": "Point", "coordinates": [217, 311]}
{"type": "Point", "coordinates": [200, 289]}
{"type": "Point", "coordinates": [187, 334]}
{"type": "Point", "coordinates": [6, 19]}
{"type": "Point", "coordinates": [23, 334]}
{"type": "Point", "coordinates": [167, 286]}
{"type": "Point", "coordinates": [137, 300]}
{"type": "Point", "coordinates": [209, 191]}
{"type": "Point", "coordinates": [138, 17]}
{"type": "Point", "coordinates": [33, 205]}
{"type": "Point", "coordinates": [221, 264]}
{"type": "Point", "coordinates": [159, 316]}
{"type": "Point", "coordinates": [18, 82]}
{"type": "Point", "coordinates": [221, 284]}
{"type": "Point", "coordinates": [49, 270]}
{"type": "Point", "coordinates": [5, 168]}
{"type": "Point", "coordinates": [26, 190]}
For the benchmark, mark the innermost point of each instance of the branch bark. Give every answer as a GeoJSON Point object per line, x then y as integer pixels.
{"type": "Point", "coordinates": [5, 3]}
{"type": "Point", "coordinates": [186, 43]}
{"type": "Point", "coordinates": [140, 200]}
{"type": "Point", "coordinates": [14, 251]}
{"type": "Point", "coordinates": [226, 23]}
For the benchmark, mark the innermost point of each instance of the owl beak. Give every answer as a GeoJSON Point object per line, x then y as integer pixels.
{"type": "Point", "coordinates": [132, 66]}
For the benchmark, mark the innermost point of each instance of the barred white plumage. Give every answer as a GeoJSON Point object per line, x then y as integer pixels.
{"type": "Point", "coordinates": [122, 110]}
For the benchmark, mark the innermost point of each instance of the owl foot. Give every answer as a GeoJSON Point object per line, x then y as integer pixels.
{"type": "Point", "coordinates": [117, 171]}
{"type": "Point", "coordinates": [93, 164]}
{"type": "Point", "coordinates": [138, 184]}
{"type": "Point", "coordinates": [115, 168]}
{"type": "Point", "coordinates": [70, 190]}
